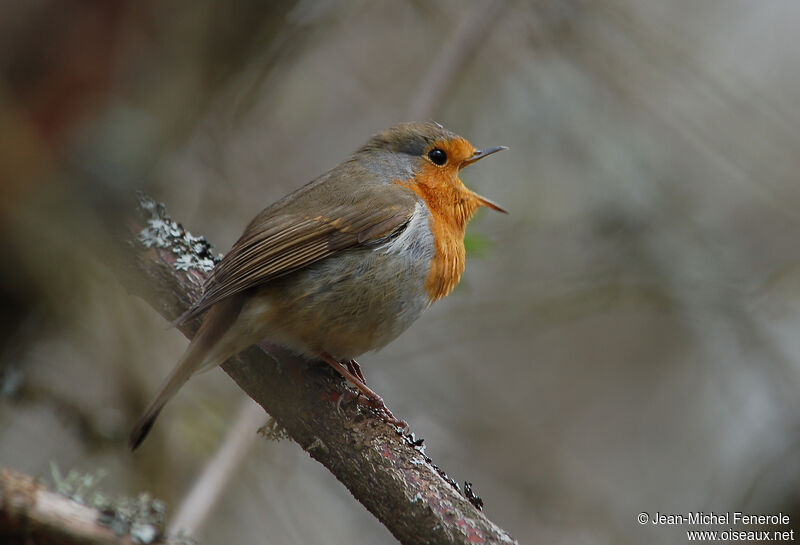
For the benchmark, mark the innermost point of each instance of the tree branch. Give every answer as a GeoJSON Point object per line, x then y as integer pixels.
{"type": "Point", "coordinates": [385, 470]}
{"type": "Point", "coordinates": [29, 513]}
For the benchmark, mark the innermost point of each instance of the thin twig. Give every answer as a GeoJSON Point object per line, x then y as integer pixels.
{"type": "Point", "coordinates": [208, 487]}
{"type": "Point", "coordinates": [454, 54]}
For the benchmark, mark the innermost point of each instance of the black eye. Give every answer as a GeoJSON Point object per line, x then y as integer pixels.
{"type": "Point", "coordinates": [438, 156]}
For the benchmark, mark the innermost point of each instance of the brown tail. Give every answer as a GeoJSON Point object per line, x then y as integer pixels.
{"type": "Point", "coordinates": [201, 354]}
{"type": "Point", "coordinates": [191, 361]}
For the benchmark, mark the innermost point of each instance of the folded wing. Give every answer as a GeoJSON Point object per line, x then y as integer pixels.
{"type": "Point", "coordinates": [293, 234]}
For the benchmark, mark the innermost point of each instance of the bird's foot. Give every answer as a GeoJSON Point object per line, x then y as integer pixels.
{"type": "Point", "coordinates": [372, 399]}
{"type": "Point", "coordinates": [378, 404]}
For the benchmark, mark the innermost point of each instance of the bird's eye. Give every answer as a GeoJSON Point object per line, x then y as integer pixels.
{"type": "Point", "coordinates": [438, 156]}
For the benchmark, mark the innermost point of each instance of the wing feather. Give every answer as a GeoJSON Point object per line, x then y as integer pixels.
{"type": "Point", "coordinates": [291, 235]}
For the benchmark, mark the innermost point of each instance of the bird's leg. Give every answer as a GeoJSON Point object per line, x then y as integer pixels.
{"type": "Point", "coordinates": [375, 401]}
{"type": "Point", "coordinates": [355, 368]}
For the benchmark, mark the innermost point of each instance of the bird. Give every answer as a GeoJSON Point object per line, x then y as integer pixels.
{"type": "Point", "coordinates": [344, 264]}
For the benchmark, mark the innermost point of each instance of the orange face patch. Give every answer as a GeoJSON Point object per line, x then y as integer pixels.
{"type": "Point", "coordinates": [451, 205]}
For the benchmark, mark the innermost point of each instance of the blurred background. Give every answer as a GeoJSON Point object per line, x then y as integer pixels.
{"type": "Point", "coordinates": [625, 340]}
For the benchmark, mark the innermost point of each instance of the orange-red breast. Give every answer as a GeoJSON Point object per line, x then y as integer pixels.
{"type": "Point", "coordinates": [342, 265]}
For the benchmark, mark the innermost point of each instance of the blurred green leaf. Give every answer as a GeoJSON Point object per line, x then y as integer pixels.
{"type": "Point", "coordinates": [477, 245]}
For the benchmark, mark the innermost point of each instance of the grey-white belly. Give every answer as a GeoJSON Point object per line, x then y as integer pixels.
{"type": "Point", "coordinates": [353, 302]}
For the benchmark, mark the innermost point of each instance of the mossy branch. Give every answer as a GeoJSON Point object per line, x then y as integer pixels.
{"type": "Point", "coordinates": [30, 513]}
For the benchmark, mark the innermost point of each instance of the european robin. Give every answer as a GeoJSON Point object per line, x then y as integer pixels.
{"type": "Point", "coordinates": [342, 265]}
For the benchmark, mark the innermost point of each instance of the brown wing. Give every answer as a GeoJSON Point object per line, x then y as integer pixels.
{"type": "Point", "coordinates": [301, 229]}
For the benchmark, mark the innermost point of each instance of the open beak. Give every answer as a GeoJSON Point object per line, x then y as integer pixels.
{"type": "Point", "coordinates": [477, 156]}
{"type": "Point", "coordinates": [480, 154]}
{"type": "Point", "coordinates": [489, 204]}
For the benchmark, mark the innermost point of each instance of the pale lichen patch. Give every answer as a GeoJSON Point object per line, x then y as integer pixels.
{"type": "Point", "coordinates": [141, 517]}
{"type": "Point", "coordinates": [160, 231]}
